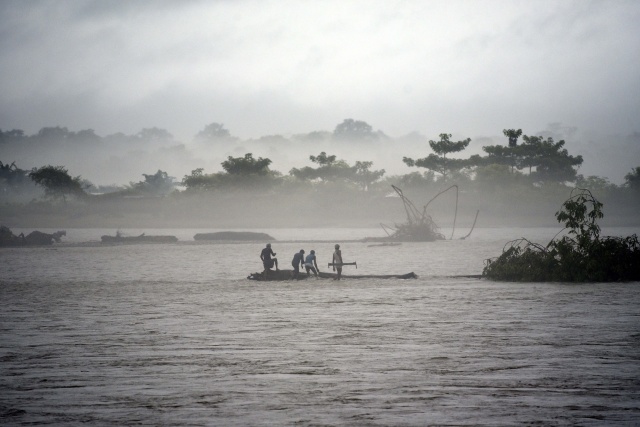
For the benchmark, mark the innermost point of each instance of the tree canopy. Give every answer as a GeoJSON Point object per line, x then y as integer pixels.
{"type": "Point", "coordinates": [213, 132]}
{"type": "Point", "coordinates": [57, 182]}
{"type": "Point", "coordinates": [439, 162]}
{"type": "Point", "coordinates": [246, 165]}
{"type": "Point", "coordinates": [354, 130]}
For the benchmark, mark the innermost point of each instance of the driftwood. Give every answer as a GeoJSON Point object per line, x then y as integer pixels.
{"type": "Point", "coordinates": [283, 275]}
{"type": "Point", "coordinates": [234, 235]}
{"type": "Point", "coordinates": [420, 227]}
{"type": "Point", "coordinates": [119, 238]}
{"type": "Point", "coordinates": [35, 238]}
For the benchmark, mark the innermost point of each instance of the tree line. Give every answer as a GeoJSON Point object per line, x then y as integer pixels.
{"type": "Point", "coordinates": [527, 161]}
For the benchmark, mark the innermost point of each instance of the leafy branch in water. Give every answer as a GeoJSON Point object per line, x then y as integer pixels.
{"type": "Point", "coordinates": [580, 256]}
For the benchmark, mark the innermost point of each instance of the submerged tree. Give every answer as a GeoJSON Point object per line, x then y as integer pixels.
{"type": "Point", "coordinates": [580, 256]}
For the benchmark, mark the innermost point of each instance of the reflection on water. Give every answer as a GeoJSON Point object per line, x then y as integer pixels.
{"type": "Point", "coordinates": [174, 335]}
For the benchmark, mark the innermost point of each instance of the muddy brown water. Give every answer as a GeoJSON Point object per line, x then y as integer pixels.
{"type": "Point", "coordinates": [174, 334]}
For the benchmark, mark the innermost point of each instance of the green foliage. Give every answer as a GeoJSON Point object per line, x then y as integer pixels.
{"type": "Point", "coordinates": [240, 172]}
{"type": "Point", "coordinates": [364, 176]}
{"type": "Point", "coordinates": [439, 162]}
{"type": "Point", "coordinates": [331, 170]}
{"type": "Point", "coordinates": [513, 136]}
{"type": "Point", "coordinates": [581, 256]}
{"type": "Point", "coordinates": [159, 183]}
{"type": "Point", "coordinates": [246, 165]}
{"type": "Point", "coordinates": [57, 182]}
{"type": "Point", "coordinates": [551, 160]}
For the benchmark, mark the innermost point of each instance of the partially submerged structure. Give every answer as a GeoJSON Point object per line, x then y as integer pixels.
{"type": "Point", "coordinates": [7, 238]}
{"type": "Point", "coordinates": [420, 227]}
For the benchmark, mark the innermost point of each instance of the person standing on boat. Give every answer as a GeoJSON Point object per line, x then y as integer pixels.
{"type": "Point", "coordinates": [267, 261]}
{"type": "Point", "coordinates": [337, 262]}
{"type": "Point", "coordinates": [309, 263]}
{"type": "Point", "coordinates": [297, 262]}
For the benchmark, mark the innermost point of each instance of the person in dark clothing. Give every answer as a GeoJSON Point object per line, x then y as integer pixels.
{"type": "Point", "coordinates": [297, 262]}
{"type": "Point", "coordinates": [311, 264]}
{"type": "Point", "coordinates": [267, 261]}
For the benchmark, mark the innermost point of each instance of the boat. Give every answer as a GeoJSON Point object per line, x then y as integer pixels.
{"type": "Point", "coordinates": [283, 275]}
{"type": "Point", "coordinates": [119, 238]}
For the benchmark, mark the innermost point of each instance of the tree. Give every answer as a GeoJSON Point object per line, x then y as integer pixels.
{"type": "Point", "coordinates": [593, 183]}
{"type": "Point", "coordinates": [51, 134]}
{"type": "Point", "coordinates": [364, 176]}
{"type": "Point", "coordinates": [246, 165]}
{"type": "Point", "coordinates": [546, 160]}
{"type": "Point", "coordinates": [315, 136]}
{"type": "Point", "coordinates": [332, 170]}
{"type": "Point", "coordinates": [154, 134]}
{"type": "Point", "coordinates": [513, 136]}
{"type": "Point", "coordinates": [159, 183]}
{"type": "Point", "coordinates": [213, 132]}
{"type": "Point", "coordinates": [13, 179]}
{"type": "Point", "coordinates": [11, 135]}
{"type": "Point", "coordinates": [322, 159]}
{"type": "Point", "coordinates": [632, 179]}
{"type": "Point", "coordinates": [329, 169]}
{"type": "Point", "coordinates": [439, 162]}
{"type": "Point", "coordinates": [57, 182]}
{"type": "Point", "coordinates": [354, 130]}
{"type": "Point", "coordinates": [551, 160]}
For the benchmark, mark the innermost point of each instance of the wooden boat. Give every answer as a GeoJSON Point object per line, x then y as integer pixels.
{"type": "Point", "coordinates": [119, 238]}
{"type": "Point", "coordinates": [283, 275]}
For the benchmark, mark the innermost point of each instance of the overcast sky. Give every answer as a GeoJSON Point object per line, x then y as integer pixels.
{"type": "Point", "coordinates": [471, 68]}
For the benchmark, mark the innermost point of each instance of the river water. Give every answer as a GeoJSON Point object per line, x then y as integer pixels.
{"type": "Point", "coordinates": [174, 334]}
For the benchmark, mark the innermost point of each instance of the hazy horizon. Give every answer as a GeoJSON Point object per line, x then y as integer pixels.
{"type": "Point", "coordinates": [262, 68]}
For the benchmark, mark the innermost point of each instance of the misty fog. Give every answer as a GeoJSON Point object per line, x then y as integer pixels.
{"type": "Point", "coordinates": [110, 159]}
